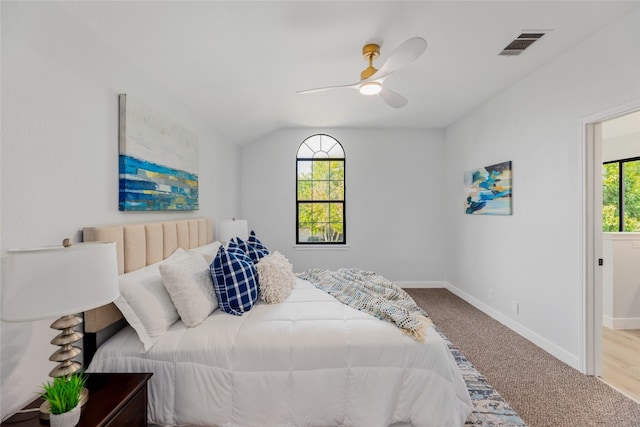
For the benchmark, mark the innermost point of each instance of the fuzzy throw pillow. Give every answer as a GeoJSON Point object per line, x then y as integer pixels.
{"type": "Point", "coordinates": [276, 278]}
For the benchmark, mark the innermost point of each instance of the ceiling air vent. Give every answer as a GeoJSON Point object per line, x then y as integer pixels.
{"type": "Point", "coordinates": [520, 43]}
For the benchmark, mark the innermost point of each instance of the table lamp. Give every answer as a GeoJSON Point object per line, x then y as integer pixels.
{"type": "Point", "coordinates": [230, 228]}
{"type": "Point", "coordinates": [42, 283]}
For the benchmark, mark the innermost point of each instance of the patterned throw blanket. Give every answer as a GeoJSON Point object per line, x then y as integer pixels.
{"type": "Point", "coordinates": [373, 294]}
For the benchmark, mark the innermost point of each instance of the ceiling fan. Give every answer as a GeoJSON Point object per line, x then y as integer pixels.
{"type": "Point", "coordinates": [371, 79]}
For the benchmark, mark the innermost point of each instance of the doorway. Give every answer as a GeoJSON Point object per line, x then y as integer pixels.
{"type": "Point", "coordinates": [612, 258]}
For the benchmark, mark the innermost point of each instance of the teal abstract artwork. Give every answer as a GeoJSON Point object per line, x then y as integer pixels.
{"type": "Point", "coordinates": [158, 162]}
{"type": "Point", "coordinates": [489, 190]}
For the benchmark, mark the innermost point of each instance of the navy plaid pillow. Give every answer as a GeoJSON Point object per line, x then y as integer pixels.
{"type": "Point", "coordinates": [257, 244]}
{"type": "Point", "coordinates": [235, 280]}
{"type": "Point", "coordinates": [252, 247]}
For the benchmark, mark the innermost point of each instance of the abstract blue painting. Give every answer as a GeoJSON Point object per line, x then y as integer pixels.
{"type": "Point", "coordinates": [158, 161]}
{"type": "Point", "coordinates": [488, 190]}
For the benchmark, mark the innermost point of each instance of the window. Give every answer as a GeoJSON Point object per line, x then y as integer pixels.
{"type": "Point", "coordinates": [320, 191]}
{"type": "Point", "coordinates": [621, 195]}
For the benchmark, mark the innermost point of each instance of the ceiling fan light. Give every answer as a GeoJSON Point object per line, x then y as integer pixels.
{"type": "Point", "coordinates": [370, 88]}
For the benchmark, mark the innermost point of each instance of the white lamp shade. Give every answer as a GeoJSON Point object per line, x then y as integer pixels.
{"type": "Point", "coordinates": [55, 281]}
{"type": "Point", "coordinates": [230, 228]}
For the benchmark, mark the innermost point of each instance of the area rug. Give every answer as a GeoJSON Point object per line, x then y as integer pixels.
{"type": "Point", "coordinates": [489, 408]}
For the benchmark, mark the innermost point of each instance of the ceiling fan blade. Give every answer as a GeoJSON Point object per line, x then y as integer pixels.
{"type": "Point", "coordinates": [322, 89]}
{"type": "Point", "coordinates": [392, 98]}
{"type": "Point", "coordinates": [404, 54]}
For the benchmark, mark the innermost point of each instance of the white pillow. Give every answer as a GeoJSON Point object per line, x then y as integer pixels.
{"type": "Point", "coordinates": [275, 277]}
{"type": "Point", "coordinates": [145, 302]}
{"type": "Point", "coordinates": [190, 287]}
{"type": "Point", "coordinates": [208, 251]}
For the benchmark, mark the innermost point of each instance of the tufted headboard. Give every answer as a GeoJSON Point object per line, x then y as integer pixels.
{"type": "Point", "coordinates": [139, 245]}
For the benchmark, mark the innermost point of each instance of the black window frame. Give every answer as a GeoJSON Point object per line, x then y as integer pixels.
{"type": "Point", "coordinates": [621, 163]}
{"type": "Point", "coordinates": [340, 202]}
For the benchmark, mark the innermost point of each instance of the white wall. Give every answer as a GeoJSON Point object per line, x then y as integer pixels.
{"type": "Point", "coordinates": [394, 193]}
{"type": "Point", "coordinates": [621, 137]}
{"type": "Point", "coordinates": [535, 256]}
{"type": "Point", "coordinates": [60, 88]}
{"type": "Point", "coordinates": [621, 280]}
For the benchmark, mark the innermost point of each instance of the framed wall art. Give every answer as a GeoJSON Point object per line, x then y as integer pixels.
{"type": "Point", "coordinates": [488, 190]}
{"type": "Point", "coordinates": [158, 161]}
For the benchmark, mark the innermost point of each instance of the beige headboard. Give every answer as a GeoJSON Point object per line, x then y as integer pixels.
{"type": "Point", "coordinates": [139, 245]}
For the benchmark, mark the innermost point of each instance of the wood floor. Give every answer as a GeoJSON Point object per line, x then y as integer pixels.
{"type": "Point", "coordinates": [621, 360]}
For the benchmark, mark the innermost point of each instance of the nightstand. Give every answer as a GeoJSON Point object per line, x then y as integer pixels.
{"type": "Point", "coordinates": [114, 400]}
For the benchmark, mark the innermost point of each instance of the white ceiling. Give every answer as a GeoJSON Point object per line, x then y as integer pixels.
{"type": "Point", "coordinates": [238, 64]}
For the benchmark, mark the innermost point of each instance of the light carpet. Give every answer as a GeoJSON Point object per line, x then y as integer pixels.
{"type": "Point", "coordinates": [544, 391]}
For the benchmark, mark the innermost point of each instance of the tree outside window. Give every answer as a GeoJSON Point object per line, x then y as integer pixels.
{"type": "Point", "coordinates": [621, 203]}
{"type": "Point", "coordinates": [320, 195]}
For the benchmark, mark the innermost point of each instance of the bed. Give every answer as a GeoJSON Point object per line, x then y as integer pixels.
{"type": "Point", "coordinates": [307, 361]}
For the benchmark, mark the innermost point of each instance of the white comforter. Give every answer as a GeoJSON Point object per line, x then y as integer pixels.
{"type": "Point", "coordinates": [310, 361]}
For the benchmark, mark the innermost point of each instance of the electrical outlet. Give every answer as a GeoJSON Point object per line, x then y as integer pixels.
{"type": "Point", "coordinates": [490, 296]}
{"type": "Point", "coordinates": [515, 307]}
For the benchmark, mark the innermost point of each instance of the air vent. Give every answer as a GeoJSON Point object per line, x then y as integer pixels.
{"type": "Point", "coordinates": [520, 43]}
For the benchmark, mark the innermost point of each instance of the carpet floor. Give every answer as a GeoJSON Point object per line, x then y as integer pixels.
{"type": "Point", "coordinates": [489, 407]}
{"type": "Point", "coordinates": [544, 391]}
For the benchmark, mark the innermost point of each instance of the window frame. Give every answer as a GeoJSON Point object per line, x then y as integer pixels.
{"type": "Point", "coordinates": [342, 202]}
{"type": "Point", "coordinates": [621, 203]}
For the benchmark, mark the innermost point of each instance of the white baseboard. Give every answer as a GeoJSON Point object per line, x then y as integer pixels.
{"type": "Point", "coordinates": [607, 321]}
{"type": "Point", "coordinates": [621, 322]}
{"type": "Point", "coordinates": [425, 285]}
{"type": "Point", "coordinates": [558, 352]}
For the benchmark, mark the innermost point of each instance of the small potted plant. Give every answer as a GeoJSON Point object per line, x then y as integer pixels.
{"type": "Point", "coordinates": [63, 396]}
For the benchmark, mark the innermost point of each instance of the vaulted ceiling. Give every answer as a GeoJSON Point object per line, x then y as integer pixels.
{"type": "Point", "coordinates": [239, 64]}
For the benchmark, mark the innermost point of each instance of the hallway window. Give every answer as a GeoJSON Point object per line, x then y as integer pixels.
{"type": "Point", "coordinates": [621, 195]}
{"type": "Point", "coordinates": [320, 191]}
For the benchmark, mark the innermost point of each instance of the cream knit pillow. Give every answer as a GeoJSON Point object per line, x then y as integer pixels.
{"type": "Point", "coordinates": [276, 278]}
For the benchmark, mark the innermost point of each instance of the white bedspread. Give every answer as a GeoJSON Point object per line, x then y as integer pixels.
{"type": "Point", "coordinates": [310, 361]}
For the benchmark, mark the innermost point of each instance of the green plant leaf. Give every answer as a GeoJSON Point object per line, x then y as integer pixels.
{"type": "Point", "coordinates": [63, 393]}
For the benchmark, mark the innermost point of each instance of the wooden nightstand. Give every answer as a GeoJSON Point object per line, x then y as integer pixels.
{"type": "Point", "coordinates": [114, 400]}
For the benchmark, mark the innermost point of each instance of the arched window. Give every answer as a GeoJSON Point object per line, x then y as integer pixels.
{"type": "Point", "coordinates": [320, 196]}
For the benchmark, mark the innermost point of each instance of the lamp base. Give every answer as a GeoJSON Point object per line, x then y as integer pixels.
{"type": "Point", "coordinates": [45, 408]}
{"type": "Point", "coordinates": [67, 351]}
